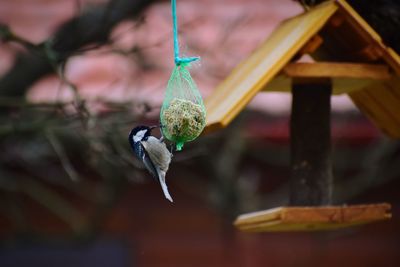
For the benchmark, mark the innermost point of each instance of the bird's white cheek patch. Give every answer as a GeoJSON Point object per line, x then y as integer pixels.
{"type": "Point", "coordinates": [139, 135]}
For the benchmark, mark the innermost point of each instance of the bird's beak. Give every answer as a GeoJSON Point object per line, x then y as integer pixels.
{"type": "Point", "coordinates": [154, 126]}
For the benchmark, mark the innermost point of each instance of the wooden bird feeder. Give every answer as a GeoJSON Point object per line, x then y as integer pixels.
{"type": "Point", "coordinates": [350, 58]}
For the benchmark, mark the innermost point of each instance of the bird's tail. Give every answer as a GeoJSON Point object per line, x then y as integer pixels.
{"type": "Point", "coordinates": [164, 187]}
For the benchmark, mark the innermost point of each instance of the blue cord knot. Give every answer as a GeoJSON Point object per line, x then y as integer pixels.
{"type": "Point", "coordinates": [185, 60]}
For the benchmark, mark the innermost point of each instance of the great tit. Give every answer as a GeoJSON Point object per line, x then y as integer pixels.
{"type": "Point", "coordinates": [153, 153]}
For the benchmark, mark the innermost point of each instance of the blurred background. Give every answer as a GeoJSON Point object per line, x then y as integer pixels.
{"type": "Point", "coordinates": [77, 75]}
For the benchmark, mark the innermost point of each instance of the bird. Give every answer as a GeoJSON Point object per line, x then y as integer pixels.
{"type": "Point", "coordinates": [153, 153]}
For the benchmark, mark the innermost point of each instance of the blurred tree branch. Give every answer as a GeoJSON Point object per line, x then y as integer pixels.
{"type": "Point", "coordinates": [87, 31]}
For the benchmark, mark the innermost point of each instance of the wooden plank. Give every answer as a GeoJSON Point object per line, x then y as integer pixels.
{"type": "Point", "coordinates": [381, 104]}
{"type": "Point", "coordinates": [260, 216]}
{"type": "Point", "coordinates": [342, 214]}
{"type": "Point", "coordinates": [312, 218]}
{"type": "Point", "coordinates": [246, 80]}
{"type": "Point", "coordinates": [370, 108]}
{"type": "Point", "coordinates": [283, 83]}
{"type": "Point", "coordinates": [370, 52]}
{"type": "Point", "coordinates": [311, 45]}
{"type": "Point", "coordinates": [337, 70]}
{"type": "Point", "coordinates": [278, 226]}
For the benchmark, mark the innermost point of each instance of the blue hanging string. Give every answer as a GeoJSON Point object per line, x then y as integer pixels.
{"type": "Point", "coordinates": [178, 60]}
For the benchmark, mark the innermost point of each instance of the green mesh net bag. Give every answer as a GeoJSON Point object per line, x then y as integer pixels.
{"type": "Point", "coordinates": [183, 115]}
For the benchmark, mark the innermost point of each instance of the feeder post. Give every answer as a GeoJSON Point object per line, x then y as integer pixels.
{"type": "Point", "coordinates": [311, 179]}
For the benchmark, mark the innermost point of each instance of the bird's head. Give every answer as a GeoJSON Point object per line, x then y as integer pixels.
{"type": "Point", "coordinates": [140, 133]}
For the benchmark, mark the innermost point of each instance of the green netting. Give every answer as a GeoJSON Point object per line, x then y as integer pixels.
{"type": "Point", "coordinates": [183, 115]}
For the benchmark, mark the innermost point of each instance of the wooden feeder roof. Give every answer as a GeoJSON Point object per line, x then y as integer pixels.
{"type": "Point", "coordinates": [345, 49]}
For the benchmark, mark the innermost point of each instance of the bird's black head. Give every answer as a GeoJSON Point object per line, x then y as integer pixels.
{"type": "Point", "coordinates": [140, 133]}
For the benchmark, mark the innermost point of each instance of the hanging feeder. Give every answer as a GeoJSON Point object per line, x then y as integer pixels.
{"type": "Point", "coordinates": [182, 115]}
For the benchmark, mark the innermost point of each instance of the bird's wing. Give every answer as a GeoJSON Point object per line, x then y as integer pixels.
{"type": "Point", "coordinates": [148, 163]}
{"type": "Point", "coordinates": [158, 152]}
{"type": "Point", "coordinates": [157, 157]}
